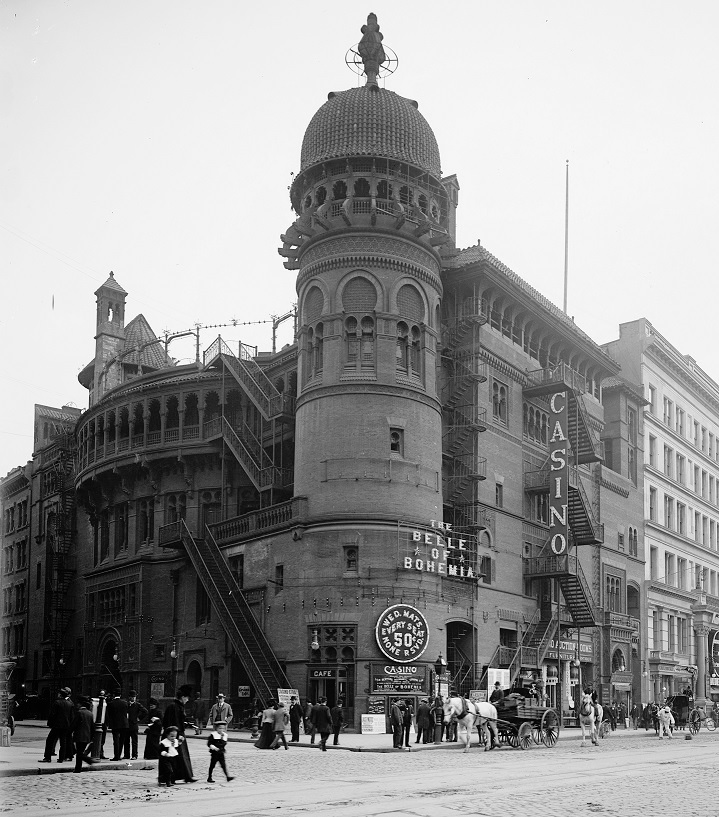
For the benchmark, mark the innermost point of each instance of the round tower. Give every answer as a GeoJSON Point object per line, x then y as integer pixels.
{"type": "Point", "coordinates": [371, 214]}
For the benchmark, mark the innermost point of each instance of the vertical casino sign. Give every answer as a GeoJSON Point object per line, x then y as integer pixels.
{"type": "Point", "coordinates": [402, 633]}
{"type": "Point", "coordinates": [559, 473]}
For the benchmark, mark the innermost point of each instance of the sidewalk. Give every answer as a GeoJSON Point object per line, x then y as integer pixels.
{"type": "Point", "coordinates": [22, 757]}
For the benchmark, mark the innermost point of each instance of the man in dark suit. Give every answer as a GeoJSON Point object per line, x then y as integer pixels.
{"type": "Point", "coordinates": [119, 722]}
{"type": "Point", "coordinates": [82, 729]}
{"type": "Point", "coordinates": [423, 713]}
{"type": "Point", "coordinates": [295, 719]}
{"type": "Point", "coordinates": [59, 720]}
{"type": "Point", "coordinates": [322, 721]}
{"type": "Point", "coordinates": [136, 712]}
{"type": "Point", "coordinates": [338, 719]}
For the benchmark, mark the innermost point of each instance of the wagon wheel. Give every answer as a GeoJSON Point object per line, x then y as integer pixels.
{"type": "Point", "coordinates": [604, 729]}
{"type": "Point", "coordinates": [536, 733]}
{"type": "Point", "coordinates": [694, 721]}
{"type": "Point", "coordinates": [513, 738]}
{"type": "Point", "coordinates": [710, 724]}
{"type": "Point", "coordinates": [504, 734]}
{"type": "Point", "coordinates": [524, 735]}
{"type": "Point", "coordinates": [549, 728]}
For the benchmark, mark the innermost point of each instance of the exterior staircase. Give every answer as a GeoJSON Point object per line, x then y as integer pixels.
{"type": "Point", "coordinates": [580, 516]}
{"type": "Point", "coordinates": [271, 403]}
{"type": "Point", "coordinates": [232, 608]}
{"type": "Point", "coordinates": [575, 589]}
{"type": "Point", "coordinates": [585, 438]}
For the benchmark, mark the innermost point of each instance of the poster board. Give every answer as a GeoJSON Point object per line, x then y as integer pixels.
{"type": "Point", "coordinates": [373, 725]}
{"type": "Point", "coordinates": [478, 695]}
{"type": "Point", "coordinates": [283, 696]}
{"type": "Point", "coordinates": [494, 675]}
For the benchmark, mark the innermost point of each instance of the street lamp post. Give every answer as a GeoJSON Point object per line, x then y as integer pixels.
{"type": "Point", "coordinates": [440, 666]}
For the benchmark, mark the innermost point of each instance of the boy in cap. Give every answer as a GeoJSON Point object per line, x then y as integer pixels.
{"type": "Point", "coordinates": [217, 743]}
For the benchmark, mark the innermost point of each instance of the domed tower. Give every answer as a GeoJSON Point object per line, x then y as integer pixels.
{"type": "Point", "coordinates": [371, 214]}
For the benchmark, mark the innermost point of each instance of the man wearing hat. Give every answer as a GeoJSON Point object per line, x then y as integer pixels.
{"type": "Point", "coordinates": [82, 727]}
{"type": "Point", "coordinates": [119, 722]}
{"type": "Point", "coordinates": [59, 720]}
{"type": "Point", "coordinates": [221, 711]}
{"type": "Point", "coordinates": [136, 712]}
{"type": "Point", "coordinates": [497, 695]}
{"type": "Point", "coordinates": [175, 716]}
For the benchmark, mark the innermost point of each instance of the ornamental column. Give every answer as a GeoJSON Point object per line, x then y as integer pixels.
{"type": "Point", "coordinates": [702, 635]}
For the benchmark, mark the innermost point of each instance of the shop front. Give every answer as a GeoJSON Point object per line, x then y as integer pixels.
{"type": "Point", "coordinates": [389, 682]}
{"type": "Point", "coordinates": [564, 675]}
{"type": "Point", "coordinates": [333, 682]}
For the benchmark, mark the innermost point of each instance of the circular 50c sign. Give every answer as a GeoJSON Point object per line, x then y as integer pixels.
{"type": "Point", "coordinates": [402, 633]}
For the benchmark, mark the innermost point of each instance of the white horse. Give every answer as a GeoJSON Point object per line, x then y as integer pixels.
{"type": "Point", "coordinates": [481, 714]}
{"type": "Point", "coordinates": [589, 718]}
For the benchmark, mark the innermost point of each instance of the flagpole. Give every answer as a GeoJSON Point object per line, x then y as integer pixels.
{"type": "Point", "coordinates": [566, 237]}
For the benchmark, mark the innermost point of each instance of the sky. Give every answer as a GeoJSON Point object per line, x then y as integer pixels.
{"type": "Point", "coordinates": [157, 138]}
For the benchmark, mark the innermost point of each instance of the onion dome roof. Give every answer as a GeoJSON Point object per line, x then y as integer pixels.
{"type": "Point", "coordinates": [370, 121]}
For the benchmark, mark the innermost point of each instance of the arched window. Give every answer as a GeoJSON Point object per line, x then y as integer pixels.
{"type": "Point", "coordinates": [320, 196]}
{"type": "Point", "coordinates": [362, 188]}
{"type": "Point", "coordinates": [402, 356]}
{"type": "Point", "coordinates": [415, 356]}
{"type": "Point", "coordinates": [367, 325]}
{"type": "Point", "coordinates": [313, 305]}
{"type": "Point", "coordinates": [317, 357]}
{"type": "Point", "coordinates": [339, 191]}
{"type": "Point", "coordinates": [499, 402]}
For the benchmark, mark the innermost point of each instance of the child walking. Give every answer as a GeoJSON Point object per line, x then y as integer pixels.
{"type": "Point", "coordinates": [168, 753]}
{"type": "Point", "coordinates": [217, 743]}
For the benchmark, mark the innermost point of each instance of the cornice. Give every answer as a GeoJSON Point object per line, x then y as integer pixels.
{"type": "Point", "coordinates": [683, 373]}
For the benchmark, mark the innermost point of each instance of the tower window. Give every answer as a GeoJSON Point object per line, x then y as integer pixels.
{"type": "Point", "coordinates": [279, 577]}
{"type": "Point", "coordinates": [396, 441]}
{"type": "Point", "coordinates": [350, 560]}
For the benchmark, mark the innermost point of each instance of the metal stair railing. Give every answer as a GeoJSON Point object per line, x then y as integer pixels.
{"type": "Point", "coordinates": [575, 569]}
{"type": "Point", "coordinates": [242, 453]}
{"type": "Point", "coordinates": [592, 434]}
{"type": "Point", "coordinates": [230, 603]}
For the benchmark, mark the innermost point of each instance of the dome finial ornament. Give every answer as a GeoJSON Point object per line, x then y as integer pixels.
{"type": "Point", "coordinates": [370, 49]}
{"type": "Point", "coordinates": [369, 56]}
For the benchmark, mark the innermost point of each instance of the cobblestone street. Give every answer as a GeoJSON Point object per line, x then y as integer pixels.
{"type": "Point", "coordinates": [628, 774]}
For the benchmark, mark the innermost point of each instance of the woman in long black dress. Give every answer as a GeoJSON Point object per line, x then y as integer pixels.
{"type": "Point", "coordinates": [153, 731]}
{"type": "Point", "coordinates": [175, 716]}
{"type": "Point", "coordinates": [267, 734]}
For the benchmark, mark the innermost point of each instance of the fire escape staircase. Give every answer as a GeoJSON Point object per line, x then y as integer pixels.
{"type": "Point", "coordinates": [561, 378]}
{"type": "Point", "coordinates": [575, 588]}
{"type": "Point", "coordinates": [580, 515]}
{"type": "Point", "coordinates": [233, 610]}
{"type": "Point", "coordinates": [61, 567]}
{"type": "Point", "coordinates": [272, 405]}
{"type": "Point", "coordinates": [463, 419]}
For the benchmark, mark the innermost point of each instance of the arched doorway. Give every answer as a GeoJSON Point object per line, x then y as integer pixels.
{"type": "Point", "coordinates": [194, 676]}
{"type": "Point", "coordinates": [110, 677]}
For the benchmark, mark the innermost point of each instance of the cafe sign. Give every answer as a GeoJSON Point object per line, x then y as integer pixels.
{"type": "Point", "coordinates": [402, 633]}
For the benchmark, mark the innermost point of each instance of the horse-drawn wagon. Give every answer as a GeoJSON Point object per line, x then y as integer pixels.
{"type": "Point", "coordinates": [521, 722]}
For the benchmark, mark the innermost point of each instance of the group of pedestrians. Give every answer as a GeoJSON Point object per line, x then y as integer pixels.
{"type": "Point", "coordinates": [73, 727]}
{"type": "Point", "coordinates": [316, 718]}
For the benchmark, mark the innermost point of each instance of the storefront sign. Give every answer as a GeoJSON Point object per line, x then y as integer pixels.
{"type": "Point", "coordinates": [157, 686]}
{"type": "Point", "coordinates": [714, 652]}
{"type": "Point", "coordinates": [375, 706]}
{"type": "Point", "coordinates": [243, 692]}
{"type": "Point", "coordinates": [396, 679]}
{"type": "Point", "coordinates": [328, 672]}
{"type": "Point", "coordinates": [568, 651]}
{"type": "Point", "coordinates": [477, 694]}
{"type": "Point", "coordinates": [402, 633]}
{"type": "Point", "coordinates": [438, 550]}
{"type": "Point", "coordinates": [559, 473]}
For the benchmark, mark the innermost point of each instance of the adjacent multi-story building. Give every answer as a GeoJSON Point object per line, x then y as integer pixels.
{"type": "Point", "coordinates": [681, 527]}
{"type": "Point", "coordinates": [442, 476]}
